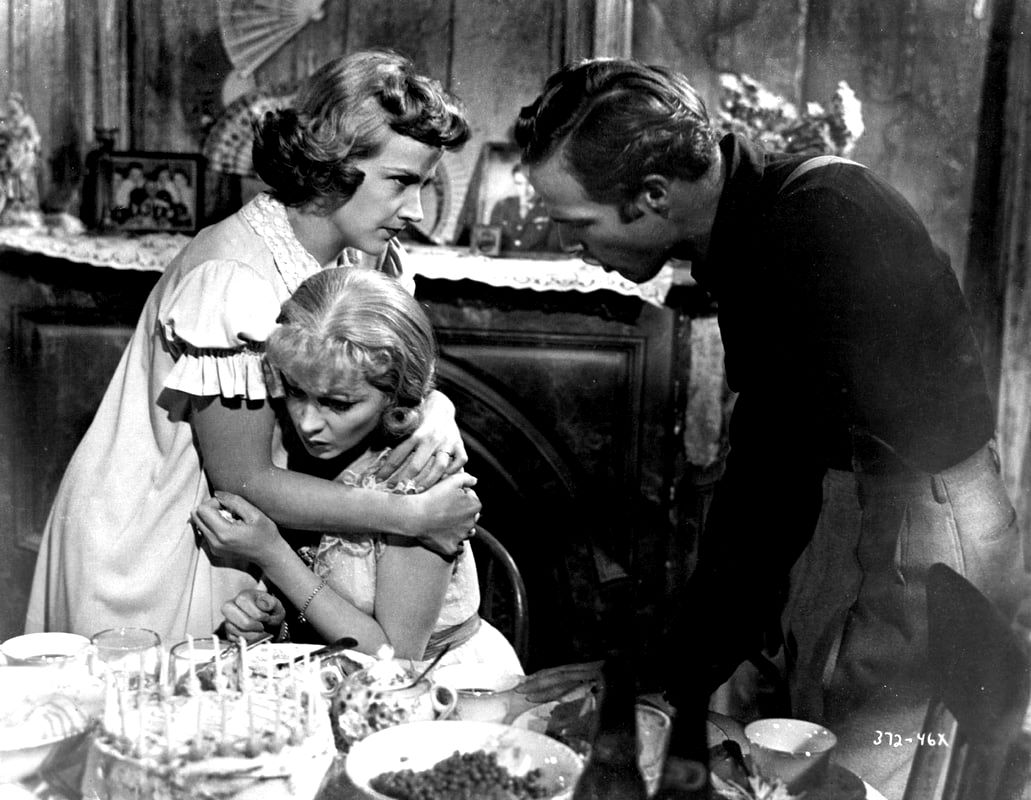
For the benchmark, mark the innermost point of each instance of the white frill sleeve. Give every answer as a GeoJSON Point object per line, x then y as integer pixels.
{"type": "Point", "coordinates": [215, 322]}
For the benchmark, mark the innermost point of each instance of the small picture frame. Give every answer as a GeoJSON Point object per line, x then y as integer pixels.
{"type": "Point", "coordinates": [485, 240]}
{"type": "Point", "coordinates": [146, 192]}
{"type": "Point", "coordinates": [500, 196]}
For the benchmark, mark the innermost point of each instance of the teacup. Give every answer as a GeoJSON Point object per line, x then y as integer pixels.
{"type": "Point", "coordinates": [49, 648]}
{"type": "Point", "coordinates": [484, 694]}
{"type": "Point", "coordinates": [796, 751]}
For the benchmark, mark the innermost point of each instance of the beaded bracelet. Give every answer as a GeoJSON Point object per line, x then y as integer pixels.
{"type": "Point", "coordinates": [300, 614]}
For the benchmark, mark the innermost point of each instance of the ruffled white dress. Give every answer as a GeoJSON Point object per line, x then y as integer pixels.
{"type": "Point", "coordinates": [118, 548]}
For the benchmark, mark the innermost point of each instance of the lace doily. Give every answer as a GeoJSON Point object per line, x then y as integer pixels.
{"type": "Point", "coordinates": [153, 252]}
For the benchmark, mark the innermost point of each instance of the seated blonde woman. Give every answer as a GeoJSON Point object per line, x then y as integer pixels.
{"type": "Point", "coordinates": [355, 357]}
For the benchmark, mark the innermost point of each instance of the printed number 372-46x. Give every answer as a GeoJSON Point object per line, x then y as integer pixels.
{"type": "Point", "coordinates": [890, 739]}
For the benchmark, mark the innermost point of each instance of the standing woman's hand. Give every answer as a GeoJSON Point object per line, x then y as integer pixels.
{"type": "Point", "coordinates": [445, 515]}
{"type": "Point", "coordinates": [433, 451]}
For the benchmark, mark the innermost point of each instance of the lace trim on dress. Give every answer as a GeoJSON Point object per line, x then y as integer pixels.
{"type": "Point", "coordinates": [267, 216]}
{"type": "Point", "coordinates": [362, 475]}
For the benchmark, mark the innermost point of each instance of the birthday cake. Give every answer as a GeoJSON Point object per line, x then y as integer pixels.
{"type": "Point", "coordinates": [267, 739]}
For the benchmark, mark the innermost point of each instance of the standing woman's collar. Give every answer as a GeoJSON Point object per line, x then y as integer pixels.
{"type": "Point", "coordinates": [267, 216]}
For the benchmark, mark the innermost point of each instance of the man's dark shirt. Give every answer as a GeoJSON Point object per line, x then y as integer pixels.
{"type": "Point", "coordinates": [847, 337]}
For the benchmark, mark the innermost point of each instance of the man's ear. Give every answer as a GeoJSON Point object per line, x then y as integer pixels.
{"type": "Point", "coordinates": [654, 196]}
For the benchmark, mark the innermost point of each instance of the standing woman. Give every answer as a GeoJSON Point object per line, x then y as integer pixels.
{"type": "Point", "coordinates": [188, 411]}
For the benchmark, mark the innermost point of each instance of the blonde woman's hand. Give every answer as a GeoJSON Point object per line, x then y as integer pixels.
{"type": "Point", "coordinates": [446, 515]}
{"type": "Point", "coordinates": [232, 526]}
{"type": "Point", "coordinates": [433, 451]}
{"type": "Point", "coordinates": [251, 613]}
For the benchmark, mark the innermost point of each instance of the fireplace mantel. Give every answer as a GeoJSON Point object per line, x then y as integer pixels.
{"type": "Point", "coordinates": [152, 253]}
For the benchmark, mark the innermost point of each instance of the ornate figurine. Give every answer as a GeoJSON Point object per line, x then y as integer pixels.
{"type": "Point", "coordinates": [20, 150]}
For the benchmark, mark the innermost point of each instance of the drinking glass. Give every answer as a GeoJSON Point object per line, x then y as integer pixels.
{"type": "Point", "coordinates": [653, 729]}
{"type": "Point", "coordinates": [190, 655]}
{"type": "Point", "coordinates": [131, 655]}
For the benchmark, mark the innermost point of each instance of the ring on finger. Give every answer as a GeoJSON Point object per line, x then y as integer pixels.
{"type": "Point", "coordinates": [444, 453]}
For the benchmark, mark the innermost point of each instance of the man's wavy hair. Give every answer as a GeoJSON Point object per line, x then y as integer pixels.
{"type": "Point", "coordinates": [306, 152]}
{"type": "Point", "coordinates": [358, 318]}
{"type": "Point", "coordinates": [615, 121]}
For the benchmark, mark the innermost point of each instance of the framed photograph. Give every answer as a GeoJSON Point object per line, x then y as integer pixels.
{"type": "Point", "coordinates": [500, 195]}
{"type": "Point", "coordinates": [147, 192]}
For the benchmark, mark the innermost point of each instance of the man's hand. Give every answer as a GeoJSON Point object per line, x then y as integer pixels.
{"type": "Point", "coordinates": [555, 682]}
{"type": "Point", "coordinates": [251, 614]}
{"type": "Point", "coordinates": [433, 451]}
{"type": "Point", "coordinates": [446, 514]}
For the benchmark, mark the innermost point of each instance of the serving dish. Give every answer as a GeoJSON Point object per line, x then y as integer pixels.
{"type": "Point", "coordinates": [419, 746]}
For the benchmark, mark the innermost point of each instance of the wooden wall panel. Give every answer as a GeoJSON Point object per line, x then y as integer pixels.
{"type": "Point", "coordinates": [674, 34]}
{"type": "Point", "coordinates": [6, 42]}
{"type": "Point", "coordinates": [917, 68]}
{"type": "Point", "coordinates": [421, 29]}
{"type": "Point", "coordinates": [915, 65]}
{"type": "Point", "coordinates": [165, 35]}
{"type": "Point", "coordinates": [29, 62]}
{"type": "Point", "coordinates": [503, 51]}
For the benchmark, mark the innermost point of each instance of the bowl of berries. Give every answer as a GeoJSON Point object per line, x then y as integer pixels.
{"type": "Point", "coordinates": [459, 759]}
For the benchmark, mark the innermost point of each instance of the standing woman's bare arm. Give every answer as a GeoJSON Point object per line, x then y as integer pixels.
{"type": "Point", "coordinates": [234, 438]}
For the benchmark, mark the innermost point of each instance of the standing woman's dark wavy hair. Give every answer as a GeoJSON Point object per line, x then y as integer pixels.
{"type": "Point", "coordinates": [306, 153]}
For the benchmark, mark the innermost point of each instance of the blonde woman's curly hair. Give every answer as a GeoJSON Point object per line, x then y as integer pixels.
{"type": "Point", "coordinates": [358, 318]}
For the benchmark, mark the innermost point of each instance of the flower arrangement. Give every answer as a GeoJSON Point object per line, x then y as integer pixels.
{"type": "Point", "coordinates": [749, 108]}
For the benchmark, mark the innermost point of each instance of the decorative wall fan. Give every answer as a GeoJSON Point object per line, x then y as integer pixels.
{"type": "Point", "coordinates": [228, 145]}
{"type": "Point", "coordinates": [252, 30]}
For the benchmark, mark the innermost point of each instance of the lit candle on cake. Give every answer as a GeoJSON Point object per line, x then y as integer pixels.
{"type": "Point", "coordinates": [192, 682]}
{"type": "Point", "coordinates": [143, 674]}
{"type": "Point", "coordinates": [166, 707]}
{"type": "Point", "coordinates": [110, 701]}
{"type": "Point", "coordinates": [141, 712]}
{"type": "Point", "coordinates": [253, 745]}
{"type": "Point", "coordinates": [241, 643]}
{"type": "Point", "coordinates": [296, 686]}
{"type": "Point", "coordinates": [200, 722]}
{"type": "Point", "coordinates": [218, 663]}
{"type": "Point", "coordinates": [164, 681]}
{"type": "Point", "coordinates": [312, 681]}
{"type": "Point", "coordinates": [223, 730]}
{"type": "Point", "coordinates": [121, 708]}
